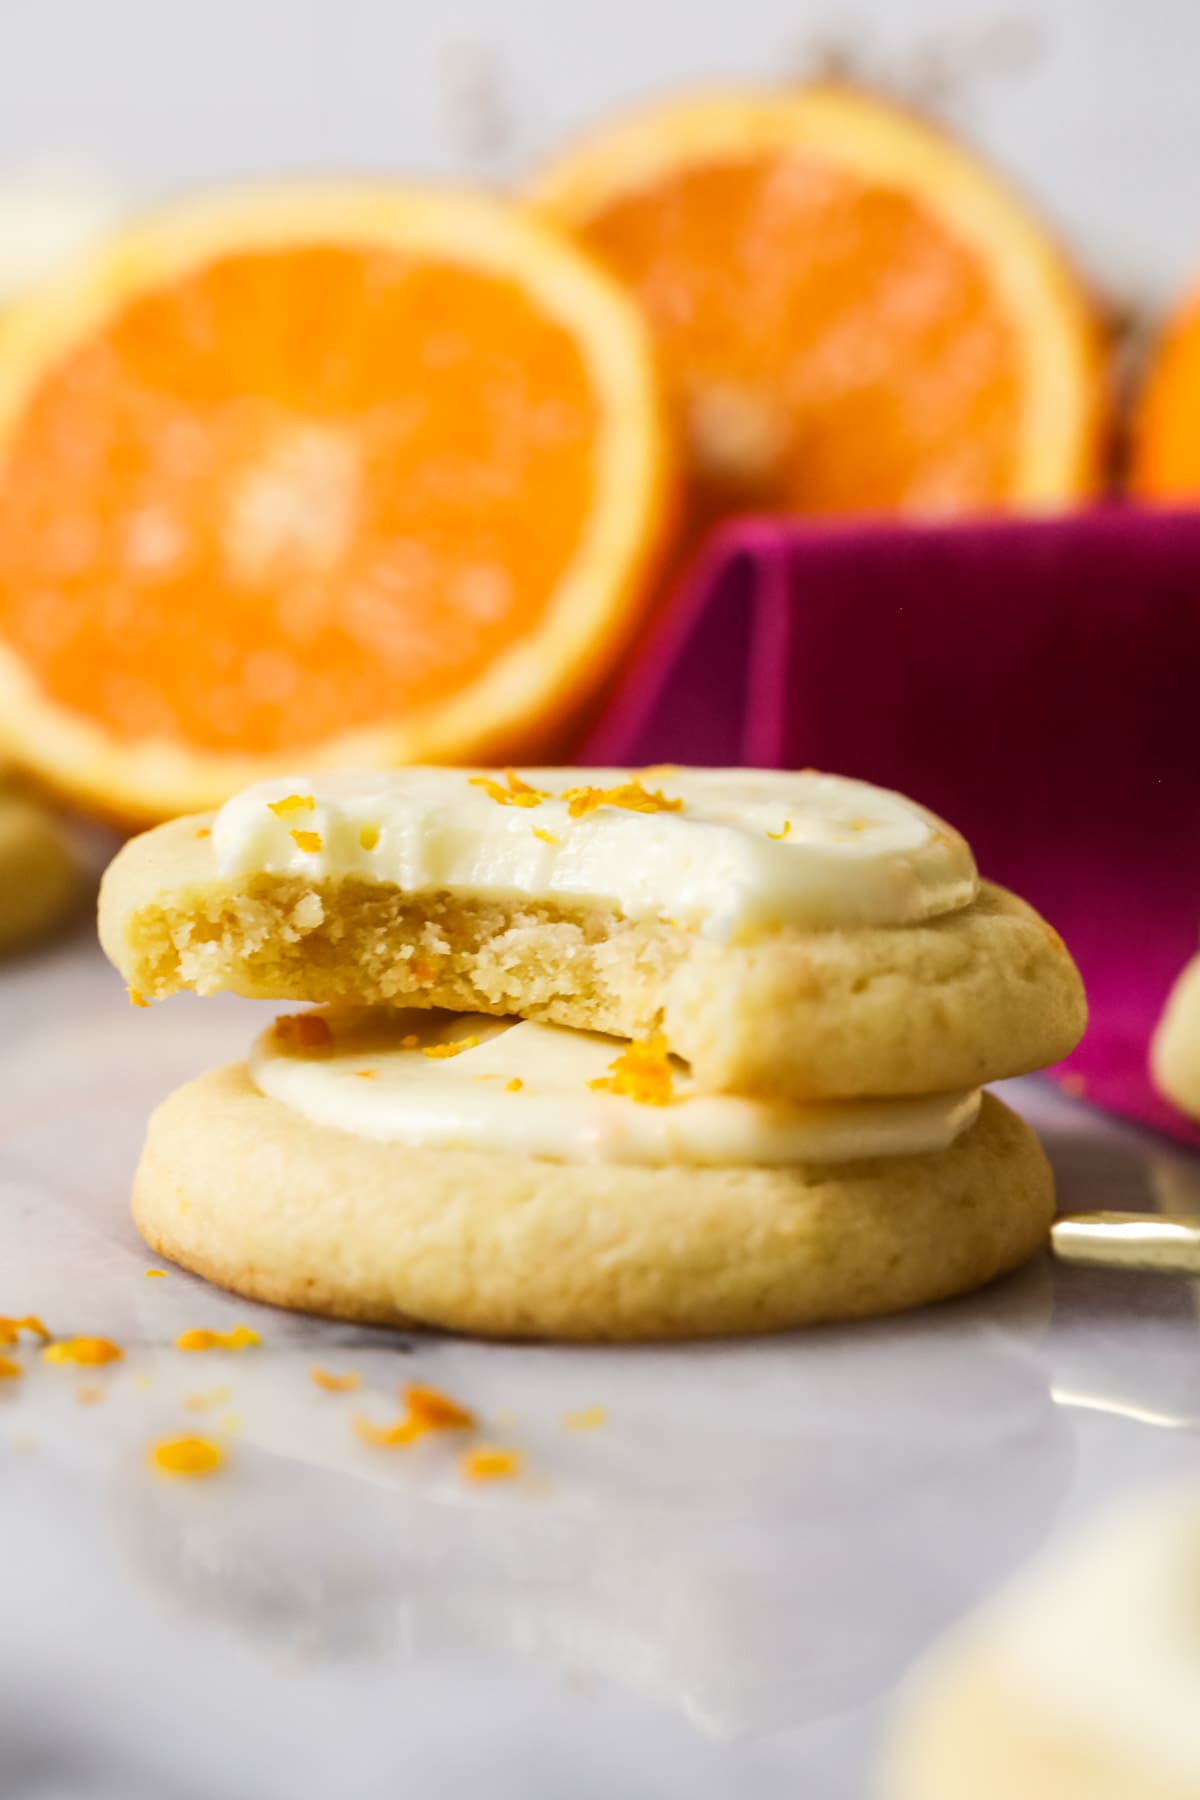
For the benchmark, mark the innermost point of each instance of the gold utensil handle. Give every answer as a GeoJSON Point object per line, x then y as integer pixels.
{"type": "Point", "coordinates": [1118, 1240]}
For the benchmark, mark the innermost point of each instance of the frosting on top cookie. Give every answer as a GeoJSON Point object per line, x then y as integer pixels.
{"type": "Point", "coordinates": [728, 852]}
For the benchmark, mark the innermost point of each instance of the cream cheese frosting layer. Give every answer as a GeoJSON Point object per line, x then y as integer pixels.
{"type": "Point", "coordinates": [464, 1081]}
{"type": "Point", "coordinates": [728, 852]}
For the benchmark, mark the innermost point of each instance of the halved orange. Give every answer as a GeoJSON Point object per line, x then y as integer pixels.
{"type": "Point", "coordinates": [855, 315]}
{"type": "Point", "coordinates": [318, 475]}
{"type": "Point", "coordinates": [1164, 459]}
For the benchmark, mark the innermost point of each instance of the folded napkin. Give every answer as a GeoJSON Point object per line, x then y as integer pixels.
{"type": "Point", "coordinates": [1037, 683]}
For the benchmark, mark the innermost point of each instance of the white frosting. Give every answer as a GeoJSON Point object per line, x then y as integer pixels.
{"type": "Point", "coordinates": [1104, 1638]}
{"type": "Point", "coordinates": [747, 850]}
{"type": "Point", "coordinates": [375, 1086]}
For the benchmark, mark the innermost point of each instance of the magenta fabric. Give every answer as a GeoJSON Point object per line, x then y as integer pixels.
{"type": "Point", "coordinates": [1037, 683]}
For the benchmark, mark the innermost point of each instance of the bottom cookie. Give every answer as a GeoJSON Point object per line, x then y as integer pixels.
{"type": "Point", "coordinates": [244, 1191]}
{"type": "Point", "coordinates": [1175, 1051]}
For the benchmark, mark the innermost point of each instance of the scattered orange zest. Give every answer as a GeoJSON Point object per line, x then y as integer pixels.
{"type": "Point", "coordinates": [136, 999]}
{"type": "Point", "coordinates": [152, 1274]}
{"type": "Point", "coordinates": [386, 1437]}
{"type": "Point", "coordinates": [516, 793]}
{"type": "Point", "coordinates": [308, 841]}
{"type": "Point", "coordinates": [427, 1410]}
{"type": "Point", "coordinates": [514, 1086]}
{"type": "Point", "coordinates": [631, 796]}
{"type": "Point", "coordinates": [334, 1384]}
{"type": "Point", "coordinates": [304, 1031]}
{"type": "Point", "coordinates": [642, 1072]}
{"type": "Point", "coordinates": [240, 1338]}
{"type": "Point", "coordinates": [438, 1051]}
{"type": "Point", "coordinates": [87, 1352]}
{"type": "Point", "coordinates": [785, 832]}
{"type": "Point", "coordinates": [10, 1329]}
{"type": "Point", "coordinates": [547, 837]}
{"type": "Point", "coordinates": [9, 1370]}
{"type": "Point", "coordinates": [186, 1456]}
{"type": "Point", "coordinates": [591, 1418]}
{"type": "Point", "coordinates": [291, 803]}
{"type": "Point", "coordinates": [488, 1462]}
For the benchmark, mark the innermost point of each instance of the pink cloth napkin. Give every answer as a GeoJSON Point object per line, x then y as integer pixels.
{"type": "Point", "coordinates": [1037, 683]}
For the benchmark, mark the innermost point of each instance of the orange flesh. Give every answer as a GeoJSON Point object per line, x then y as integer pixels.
{"type": "Point", "coordinates": [1166, 453]}
{"type": "Point", "coordinates": [293, 493]}
{"type": "Point", "coordinates": [832, 347]}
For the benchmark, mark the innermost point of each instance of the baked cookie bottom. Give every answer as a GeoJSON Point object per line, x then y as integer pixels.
{"type": "Point", "coordinates": [971, 1735]}
{"type": "Point", "coordinates": [953, 1002]}
{"type": "Point", "coordinates": [1175, 1050]}
{"type": "Point", "coordinates": [250, 1195]}
{"type": "Point", "coordinates": [40, 878]}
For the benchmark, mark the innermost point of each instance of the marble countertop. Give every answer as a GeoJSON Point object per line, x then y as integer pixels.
{"type": "Point", "coordinates": [711, 1595]}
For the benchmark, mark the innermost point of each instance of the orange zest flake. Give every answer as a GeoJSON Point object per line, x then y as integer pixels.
{"type": "Point", "coordinates": [547, 837]}
{"type": "Point", "coordinates": [439, 1051]}
{"type": "Point", "coordinates": [786, 831]}
{"type": "Point", "coordinates": [136, 999]}
{"type": "Point", "coordinates": [86, 1352]}
{"type": "Point", "coordinates": [10, 1329]}
{"type": "Point", "coordinates": [366, 1074]}
{"type": "Point", "coordinates": [516, 793]}
{"type": "Point", "coordinates": [10, 1370]}
{"type": "Point", "coordinates": [642, 1072]}
{"type": "Point", "coordinates": [427, 1410]}
{"type": "Point", "coordinates": [202, 833]}
{"type": "Point", "coordinates": [514, 1086]}
{"type": "Point", "coordinates": [631, 796]}
{"type": "Point", "coordinates": [590, 1418]}
{"type": "Point", "coordinates": [489, 1462]}
{"type": "Point", "coordinates": [308, 841]}
{"type": "Point", "coordinates": [186, 1456]}
{"type": "Point", "coordinates": [152, 1273]}
{"type": "Point", "coordinates": [291, 803]}
{"type": "Point", "coordinates": [334, 1384]}
{"type": "Point", "coordinates": [304, 1031]}
{"type": "Point", "coordinates": [240, 1338]}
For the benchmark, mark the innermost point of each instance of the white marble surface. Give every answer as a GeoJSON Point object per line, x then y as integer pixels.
{"type": "Point", "coordinates": [711, 1596]}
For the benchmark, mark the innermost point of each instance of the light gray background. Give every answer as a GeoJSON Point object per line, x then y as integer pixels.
{"type": "Point", "coordinates": [1091, 104]}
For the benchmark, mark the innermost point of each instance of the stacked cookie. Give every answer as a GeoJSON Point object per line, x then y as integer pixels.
{"type": "Point", "coordinates": [806, 982]}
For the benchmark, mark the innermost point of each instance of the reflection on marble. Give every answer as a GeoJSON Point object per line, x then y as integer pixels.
{"type": "Point", "coordinates": [712, 1594]}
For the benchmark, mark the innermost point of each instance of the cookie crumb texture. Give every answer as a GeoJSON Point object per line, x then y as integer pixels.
{"type": "Point", "coordinates": [259, 1201]}
{"type": "Point", "coordinates": [953, 1002]}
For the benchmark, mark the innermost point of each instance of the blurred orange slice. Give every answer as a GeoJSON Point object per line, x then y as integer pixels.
{"type": "Point", "coordinates": [318, 475]}
{"type": "Point", "coordinates": [855, 315]}
{"type": "Point", "coordinates": [1165, 451]}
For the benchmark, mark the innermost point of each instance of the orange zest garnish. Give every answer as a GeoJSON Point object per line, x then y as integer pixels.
{"type": "Point", "coordinates": [186, 1456]}
{"type": "Point", "coordinates": [308, 841]}
{"type": "Point", "coordinates": [240, 1338]}
{"type": "Point", "coordinates": [631, 797]}
{"type": "Point", "coordinates": [514, 1086]}
{"type": "Point", "coordinates": [455, 1049]}
{"type": "Point", "coordinates": [785, 832]}
{"type": "Point", "coordinates": [426, 1410]}
{"type": "Point", "coordinates": [136, 999]}
{"type": "Point", "coordinates": [642, 1072]}
{"type": "Point", "coordinates": [291, 803]}
{"type": "Point", "coordinates": [547, 837]}
{"type": "Point", "coordinates": [9, 1370]}
{"type": "Point", "coordinates": [10, 1329]}
{"type": "Point", "coordinates": [516, 793]}
{"type": "Point", "coordinates": [88, 1352]}
{"type": "Point", "coordinates": [488, 1462]}
{"type": "Point", "coordinates": [334, 1384]}
{"type": "Point", "coordinates": [304, 1031]}
{"type": "Point", "coordinates": [203, 832]}
{"type": "Point", "coordinates": [591, 1418]}
{"type": "Point", "coordinates": [151, 1273]}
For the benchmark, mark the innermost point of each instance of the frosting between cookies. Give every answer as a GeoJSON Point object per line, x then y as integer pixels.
{"type": "Point", "coordinates": [377, 1080]}
{"type": "Point", "coordinates": [727, 852]}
